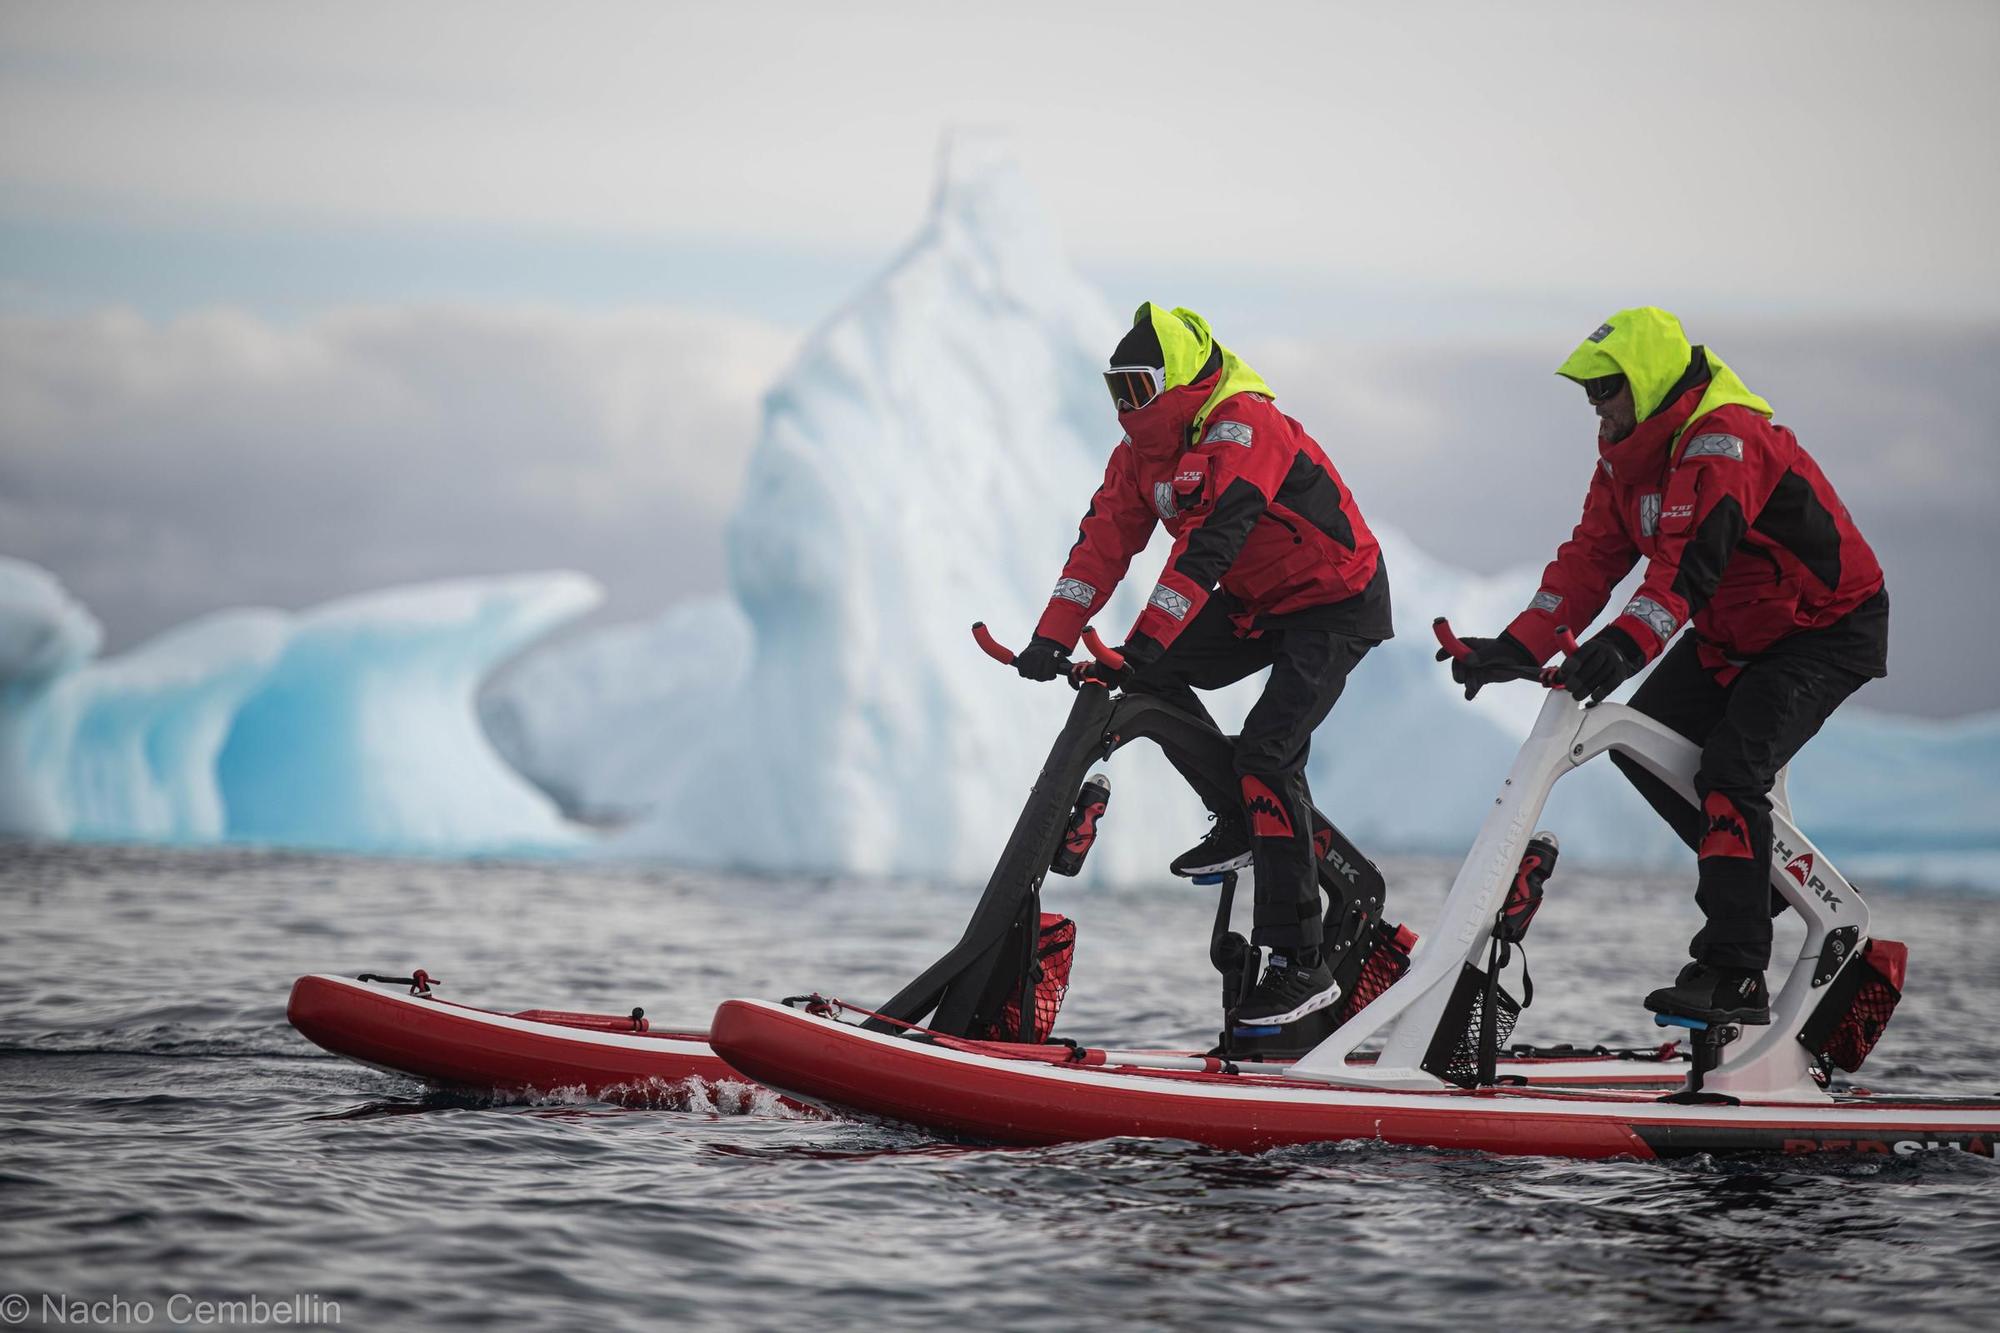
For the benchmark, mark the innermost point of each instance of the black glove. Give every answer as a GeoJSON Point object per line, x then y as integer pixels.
{"type": "Point", "coordinates": [1606, 660]}
{"type": "Point", "coordinates": [1490, 661]}
{"type": "Point", "coordinates": [1042, 659]}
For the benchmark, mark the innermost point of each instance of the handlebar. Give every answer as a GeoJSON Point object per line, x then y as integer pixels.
{"type": "Point", "coordinates": [1446, 639]}
{"type": "Point", "coordinates": [990, 645]}
{"type": "Point", "coordinates": [1109, 657]}
{"type": "Point", "coordinates": [999, 652]}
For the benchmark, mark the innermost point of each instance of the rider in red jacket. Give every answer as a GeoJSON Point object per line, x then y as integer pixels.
{"type": "Point", "coordinates": [1745, 541]}
{"type": "Point", "coordinates": [1272, 566]}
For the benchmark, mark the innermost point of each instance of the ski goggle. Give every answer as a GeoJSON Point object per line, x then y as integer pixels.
{"type": "Point", "coordinates": [1132, 387]}
{"type": "Point", "coordinates": [1603, 388]}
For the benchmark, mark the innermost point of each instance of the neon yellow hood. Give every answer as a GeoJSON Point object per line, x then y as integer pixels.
{"type": "Point", "coordinates": [1646, 345]}
{"type": "Point", "coordinates": [1185, 344]}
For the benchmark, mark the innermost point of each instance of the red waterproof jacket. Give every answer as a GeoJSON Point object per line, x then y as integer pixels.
{"type": "Point", "coordinates": [1741, 530]}
{"type": "Point", "coordinates": [1254, 507]}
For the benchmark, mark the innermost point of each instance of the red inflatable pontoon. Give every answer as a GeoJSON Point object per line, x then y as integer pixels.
{"type": "Point", "coordinates": [993, 1094]}
{"type": "Point", "coordinates": [615, 1057]}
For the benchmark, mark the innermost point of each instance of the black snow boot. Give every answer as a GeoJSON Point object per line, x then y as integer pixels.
{"type": "Point", "coordinates": [1715, 995]}
{"type": "Point", "coordinates": [1227, 847]}
{"type": "Point", "coordinates": [1289, 990]}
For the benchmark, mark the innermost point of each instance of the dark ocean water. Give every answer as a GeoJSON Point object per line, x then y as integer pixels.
{"type": "Point", "coordinates": [163, 1131]}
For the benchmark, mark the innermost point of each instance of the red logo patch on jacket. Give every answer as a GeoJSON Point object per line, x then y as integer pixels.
{"type": "Point", "coordinates": [1191, 483]}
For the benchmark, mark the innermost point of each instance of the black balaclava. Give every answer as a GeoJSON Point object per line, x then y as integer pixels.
{"type": "Point", "coordinates": [1139, 347]}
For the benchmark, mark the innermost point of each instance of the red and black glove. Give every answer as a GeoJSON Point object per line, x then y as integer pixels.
{"type": "Point", "coordinates": [1491, 661]}
{"type": "Point", "coordinates": [1606, 660]}
{"type": "Point", "coordinates": [1042, 659]}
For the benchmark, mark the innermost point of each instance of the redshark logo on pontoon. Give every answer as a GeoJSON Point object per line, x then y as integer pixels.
{"type": "Point", "coordinates": [1665, 1141]}
{"type": "Point", "coordinates": [1972, 1143]}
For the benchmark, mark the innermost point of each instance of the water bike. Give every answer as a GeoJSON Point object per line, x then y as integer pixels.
{"type": "Point", "coordinates": [964, 1050]}
{"type": "Point", "coordinates": [403, 1024]}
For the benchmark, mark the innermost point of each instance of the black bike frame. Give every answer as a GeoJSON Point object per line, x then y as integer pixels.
{"type": "Point", "coordinates": [967, 987]}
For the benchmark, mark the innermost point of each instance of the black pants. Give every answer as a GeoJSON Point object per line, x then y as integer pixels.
{"type": "Point", "coordinates": [1747, 731]}
{"type": "Point", "coordinates": [1308, 672]}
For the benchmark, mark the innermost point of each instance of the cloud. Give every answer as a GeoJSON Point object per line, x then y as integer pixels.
{"type": "Point", "coordinates": [167, 469]}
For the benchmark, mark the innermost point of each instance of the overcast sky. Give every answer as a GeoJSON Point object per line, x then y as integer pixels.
{"type": "Point", "coordinates": [1811, 156]}
{"type": "Point", "coordinates": [419, 290]}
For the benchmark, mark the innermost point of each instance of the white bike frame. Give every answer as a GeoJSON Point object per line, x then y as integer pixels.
{"type": "Point", "coordinates": [1765, 1064]}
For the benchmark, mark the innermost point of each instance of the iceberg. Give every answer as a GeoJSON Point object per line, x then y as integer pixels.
{"type": "Point", "coordinates": [921, 465]}
{"type": "Point", "coordinates": [350, 726]}
{"type": "Point", "coordinates": [44, 634]}
{"type": "Point", "coordinates": [1903, 797]}
{"type": "Point", "coordinates": [596, 722]}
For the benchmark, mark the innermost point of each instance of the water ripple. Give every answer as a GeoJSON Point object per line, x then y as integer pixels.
{"type": "Point", "coordinates": [162, 1129]}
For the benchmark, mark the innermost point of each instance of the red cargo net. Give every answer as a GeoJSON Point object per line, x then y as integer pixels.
{"type": "Point", "coordinates": [1055, 946]}
{"type": "Point", "coordinates": [1389, 961]}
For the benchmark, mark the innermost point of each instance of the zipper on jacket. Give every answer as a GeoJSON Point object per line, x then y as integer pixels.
{"type": "Point", "coordinates": [1279, 520]}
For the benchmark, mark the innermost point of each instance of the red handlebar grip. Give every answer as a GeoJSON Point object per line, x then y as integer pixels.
{"type": "Point", "coordinates": [990, 645]}
{"type": "Point", "coordinates": [1448, 641]}
{"type": "Point", "coordinates": [1564, 639]}
{"type": "Point", "coordinates": [1110, 657]}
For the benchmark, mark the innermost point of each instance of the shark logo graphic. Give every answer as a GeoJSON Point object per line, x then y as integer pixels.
{"type": "Point", "coordinates": [1726, 834]}
{"type": "Point", "coordinates": [1800, 868]}
{"type": "Point", "coordinates": [1323, 842]}
{"type": "Point", "coordinates": [1267, 813]}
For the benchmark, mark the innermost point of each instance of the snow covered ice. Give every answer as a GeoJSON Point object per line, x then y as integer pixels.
{"type": "Point", "coordinates": [920, 466]}
{"type": "Point", "coordinates": [594, 721]}
{"type": "Point", "coordinates": [348, 726]}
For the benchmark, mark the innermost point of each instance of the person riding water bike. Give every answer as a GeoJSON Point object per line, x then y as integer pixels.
{"type": "Point", "coordinates": [1746, 540]}
{"type": "Point", "coordinates": [1272, 566]}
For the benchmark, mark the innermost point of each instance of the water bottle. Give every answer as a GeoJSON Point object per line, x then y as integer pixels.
{"type": "Point", "coordinates": [1524, 895]}
{"type": "Point", "coordinates": [1081, 830]}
